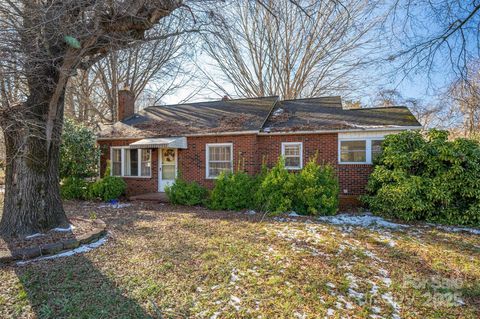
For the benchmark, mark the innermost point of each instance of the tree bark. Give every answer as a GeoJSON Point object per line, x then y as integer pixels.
{"type": "Point", "coordinates": [32, 199]}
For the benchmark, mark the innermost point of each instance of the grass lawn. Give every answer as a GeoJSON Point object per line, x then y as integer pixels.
{"type": "Point", "coordinates": [174, 262]}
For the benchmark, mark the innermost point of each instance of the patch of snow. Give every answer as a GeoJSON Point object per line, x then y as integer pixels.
{"type": "Point", "coordinates": [215, 315]}
{"type": "Point", "coordinates": [235, 302]}
{"type": "Point", "coordinates": [79, 250]}
{"type": "Point", "coordinates": [234, 276]}
{"type": "Point", "coordinates": [299, 315]}
{"type": "Point", "coordinates": [293, 214]}
{"type": "Point", "coordinates": [365, 220]}
{"type": "Point", "coordinates": [251, 212]}
{"type": "Point", "coordinates": [396, 308]}
{"type": "Point", "coordinates": [330, 312]}
{"type": "Point", "coordinates": [69, 228]}
{"type": "Point", "coordinates": [34, 235]}
{"type": "Point", "coordinates": [278, 112]}
{"type": "Point", "coordinates": [267, 129]}
{"type": "Point", "coordinates": [329, 284]}
{"type": "Point", "coordinates": [115, 205]}
{"type": "Point", "coordinates": [451, 229]}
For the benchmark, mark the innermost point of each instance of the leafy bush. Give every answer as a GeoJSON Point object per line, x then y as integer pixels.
{"type": "Point", "coordinates": [74, 188]}
{"type": "Point", "coordinates": [184, 193]}
{"type": "Point", "coordinates": [427, 178]}
{"type": "Point", "coordinates": [233, 192]}
{"type": "Point", "coordinates": [108, 188]}
{"type": "Point", "coordinates": [276, 190]}
{"type": "Point", "coordinates": [316, 190]}
{"type": "Point", "coordinates": [79, 154]}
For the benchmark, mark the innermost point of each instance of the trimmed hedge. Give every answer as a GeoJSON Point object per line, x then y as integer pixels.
{"type": "Point", "coordinates": [427, 177]}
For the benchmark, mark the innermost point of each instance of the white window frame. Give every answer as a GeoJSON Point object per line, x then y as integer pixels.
{"type": "Point", "coordinates": [123, 162]}
{"type": "Point", "coordinates": [368, 148]}
{"type": "Point", "coordinates": [207, 157]}
{"type": "Point", "coordinates": [301, 154]}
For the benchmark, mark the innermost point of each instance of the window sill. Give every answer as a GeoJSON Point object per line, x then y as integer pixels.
{"type": "Point", "coordinates": [135, 177]}
{"type": "Point", "coordinates": [293, 168]}
{"type": "Point", "coordinates": [355, 163]}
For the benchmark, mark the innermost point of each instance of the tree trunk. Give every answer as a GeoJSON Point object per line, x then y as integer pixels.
{"type": "Point", "coordinates": [32, 195]}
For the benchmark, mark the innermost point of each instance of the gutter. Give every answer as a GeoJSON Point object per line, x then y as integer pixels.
{"type": "Point", "coordinates": [379, 129]}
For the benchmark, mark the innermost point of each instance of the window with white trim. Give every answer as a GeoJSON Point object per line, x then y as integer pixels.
{"type": "Point", "coordinates": [359, 151]}
{"type": "Point", "coordinates": [128, 162]}
{"type": "Point", "coordinates": [219, 159]}
{"type": "Point", "coordinates": [292, 153]}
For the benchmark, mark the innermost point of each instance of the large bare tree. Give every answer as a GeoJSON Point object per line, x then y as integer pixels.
{"type": "Point", "coordinates": [464, 94]}
{"type": "Point", "coordinates": [291, 48]}
{"type": "Point", "coordinates": [42, 44]}
{"type": "Point", "coordinates": [431, 36]}
{"type": "Point", "coordinates": [150, 70]}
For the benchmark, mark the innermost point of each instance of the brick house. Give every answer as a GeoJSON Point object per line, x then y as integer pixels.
{"type": "Point", "coordinates": [200, 140]}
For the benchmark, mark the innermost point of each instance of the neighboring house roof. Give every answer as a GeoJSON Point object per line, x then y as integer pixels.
{"type": "Point", "coordinates": [327, 113]}
{"type": "Point", "coordinates": [240, 115]}
{"type": "Point", "coordinates": [257, 114]}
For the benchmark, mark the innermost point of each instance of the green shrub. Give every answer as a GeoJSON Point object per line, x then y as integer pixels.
{"type": "Point", "coordinates": [427, 178]}
{"type": "Point", "coordinates": [184, 193]}
{"type": "Point", "coordinates": [108, 188]}
{"type": "Point", "coordinates": [317, 190]}
{"type": "Point", "coordinates": [74, 188]}
{"type": "Point", "coordinates": [276, 190]}
{"type": "Point", "coordinates": [79, 154]}
{"type": "Point", "coordinates": [233, 192]}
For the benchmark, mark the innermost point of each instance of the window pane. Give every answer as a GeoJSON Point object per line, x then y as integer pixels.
{"type": "Point", "coordinates": [376, 148]}
{"type": "Point", "coordinates": [353, 151]}
{"type": "Point", "coordinates": [131, 162]}
{"type": "Point", "coordinates": [293, 150]}
{"type": "Point", "coordinates": [116, 162]}
{"type": "Point", "coordinates": [292, 161]}
{"type": "Point", "coordinates": [216, 168]}
{"type": "Point", "coordinates": [219, 153]}
{"type": "Point", "coordinates": [168, 172]}
{"type": "Point", "coordinates": [146, 164]}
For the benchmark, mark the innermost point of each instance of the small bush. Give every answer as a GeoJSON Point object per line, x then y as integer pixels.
{"type": "Point", "coordinates": [427, 178]}
{"type": "Point", "coordinates": [316, 190]}
{"type": "Point", "coordinates": [233, 192]}
{"type": "Point", "coordinates": [108, 188]}
{"type": "Point", "coordinates": [184, 193]}
{"type": "Point", "coordinates": [276, 190]}
{"type": "Point", "coordinates": [74, 188]}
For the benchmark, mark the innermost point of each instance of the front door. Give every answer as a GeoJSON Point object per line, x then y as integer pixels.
{"type": "Point", "coordinates": [167, 167]}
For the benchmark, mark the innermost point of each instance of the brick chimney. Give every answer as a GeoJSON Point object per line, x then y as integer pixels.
{"type": "Point", "coordinates": [126, 104]}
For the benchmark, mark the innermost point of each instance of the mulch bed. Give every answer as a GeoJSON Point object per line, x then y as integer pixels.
{"type": "Point", "coordinates": [84, 231]}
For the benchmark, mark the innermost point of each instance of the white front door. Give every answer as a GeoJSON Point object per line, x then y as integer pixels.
{"type": "Point", "coordinates": [167, 167]}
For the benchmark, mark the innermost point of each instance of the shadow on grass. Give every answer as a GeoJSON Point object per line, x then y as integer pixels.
{"type": "Point", "coordinates": [72, 287]}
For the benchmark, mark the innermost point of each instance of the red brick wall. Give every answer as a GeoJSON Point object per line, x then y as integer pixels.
{"type": "Point", "coordinates": [248, 153]}
{"type": "Point", "coordinates": [192, 163]}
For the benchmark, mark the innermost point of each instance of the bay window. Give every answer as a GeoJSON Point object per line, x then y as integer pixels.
{"type": "Point", "coordinates": [131, 162]}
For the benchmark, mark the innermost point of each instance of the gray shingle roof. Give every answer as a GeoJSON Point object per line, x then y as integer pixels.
{"type": "Point", "coordinates": [327, 113]}
{"type": "Point", "coordinates": [195, 118]}
{"type": "Point", "coordinates": [256, 114]}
